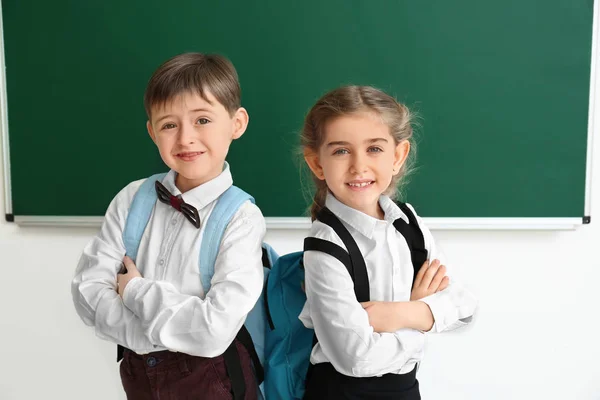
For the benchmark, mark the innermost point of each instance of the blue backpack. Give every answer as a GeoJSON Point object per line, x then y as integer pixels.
{"type": "Point", "coordinates": [278, 342]}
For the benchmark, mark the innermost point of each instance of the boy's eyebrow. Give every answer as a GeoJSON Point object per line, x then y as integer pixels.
{"type": "Point", "coordinates": [194, 111]}
{"type": "Point", "coordinates": [202, 109]}
{"type": "Point", "coordinates": [163, 117]}
{"type": "Point", "coordinates": [342, 143]}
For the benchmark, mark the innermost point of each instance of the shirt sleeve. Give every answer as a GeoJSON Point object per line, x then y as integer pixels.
{"type": "Point", "coordinates": [342, 325]}
{"type": "Point", "coordinates": [94, 287]}
{"type": "Point", "coordinates": [206, 327]}
{"type": "Point", "coordinates": [454, 306]}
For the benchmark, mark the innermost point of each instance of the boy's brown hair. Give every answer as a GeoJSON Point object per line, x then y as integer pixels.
{"type": "Point", "coordinates": [194, 73]}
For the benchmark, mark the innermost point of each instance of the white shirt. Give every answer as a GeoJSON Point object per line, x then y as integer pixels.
{"type": "Point", "coordinates": [346, 339]}
{"type": "Point", "coordinates": [167, 308]}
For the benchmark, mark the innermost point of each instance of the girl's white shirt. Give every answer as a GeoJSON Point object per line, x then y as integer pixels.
{"type": "Point", "coordinates": [346, 339]}
{"type": "Point", "coordinates": [167, 309]}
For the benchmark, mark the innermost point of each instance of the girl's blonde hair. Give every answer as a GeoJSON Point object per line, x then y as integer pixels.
{"type": "Point", "coordinates": [349, 100]}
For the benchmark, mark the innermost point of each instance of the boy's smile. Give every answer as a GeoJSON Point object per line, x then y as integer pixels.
{"type": "Point", "coordinates": [193, 135]}
{"type": "Point", "coordinates": [189, 155]}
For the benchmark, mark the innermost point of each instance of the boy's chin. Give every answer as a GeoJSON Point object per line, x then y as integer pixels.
{"type": "Point", "coordinates": [195, 176]}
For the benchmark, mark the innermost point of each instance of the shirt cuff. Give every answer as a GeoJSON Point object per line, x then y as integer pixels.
{"type": "Point", "coordinates": [444, 312]}
{"type": "Point", "coordinates": [130, 292]}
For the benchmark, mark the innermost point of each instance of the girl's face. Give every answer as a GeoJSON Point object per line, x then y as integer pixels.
{"type": "Point", "coordinates": [358, 159]}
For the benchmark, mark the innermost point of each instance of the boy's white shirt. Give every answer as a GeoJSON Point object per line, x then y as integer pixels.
{"type": "Point", "coordinates": [342, 325]}
{"type": "Point", "coordinates": [167, 309]}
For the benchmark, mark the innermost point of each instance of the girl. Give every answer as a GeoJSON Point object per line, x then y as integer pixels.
{"type": "Point", "coordinates": [357, 143]}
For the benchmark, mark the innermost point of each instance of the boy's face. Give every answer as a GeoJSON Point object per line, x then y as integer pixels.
{"type": "Point", "coordinates": [193, 136]}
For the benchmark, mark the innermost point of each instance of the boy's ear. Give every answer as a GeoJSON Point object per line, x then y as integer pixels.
{"type": "Point", "coordinates": [240, 123]}
{"type": "Point", "coordinates": [400, 155]}
{"type": "Point", "coordinates": [312, 159]}
{"type": "Point", "coordinates": [151, 131]}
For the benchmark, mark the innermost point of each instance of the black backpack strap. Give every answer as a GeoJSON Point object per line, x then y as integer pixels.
{"type": "Point", "coordinates": [325, 246]}
{"type": "Point", "coordinates": [414, 237]}
{"type": "Point", "coordinates": [244, 337]}
{"type": "Point", "coordinates": [235, 372]}
{"type": "Point", "coordinates": [359, 268]}
{"type": "Point", "coordinates": [120, 352]}
{"type": "Point", "coordinates": [233, 364]}
{"type": "Point", "coordinates": [232, 358]}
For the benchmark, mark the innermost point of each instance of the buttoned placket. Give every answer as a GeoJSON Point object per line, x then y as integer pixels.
{"type": "Point", "coordinates": [390, 233]}
{"type": "Point", "coordinates": [172, 229]}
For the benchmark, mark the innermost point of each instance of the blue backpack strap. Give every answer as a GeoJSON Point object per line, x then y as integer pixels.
{"type": "Point", "coordinates": [139, 215]}
{"type": "Point", "coordinates": [226, 207]}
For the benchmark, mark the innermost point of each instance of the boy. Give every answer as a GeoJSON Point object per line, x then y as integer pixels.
{"type": "Point", "coordinates": [174, 333]}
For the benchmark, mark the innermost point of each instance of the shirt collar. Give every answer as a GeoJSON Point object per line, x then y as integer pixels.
{"type": "Point", "coordinates": [202, 195]}
{"type": "Point", "coordinates": [361, 222]}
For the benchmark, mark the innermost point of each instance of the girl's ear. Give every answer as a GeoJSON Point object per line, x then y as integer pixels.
{"type": "Point", "coordinates": [240, 123]}
{"type": "Point", "coordinates": [312, 159]}
{"type": "Point", "coordinates": [151, 131]}
{"type": "Point", "coordinates": [400, 155]}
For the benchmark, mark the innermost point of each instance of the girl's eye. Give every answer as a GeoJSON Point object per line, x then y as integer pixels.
{"type": "Point", "coordinates": [375, 149]}
{"type": "Point", "coordinates": [340, 152]}
{"type": "Point", "coordinates": [169, 126]}
{"type": "Point", "coordinates": [202, 121]}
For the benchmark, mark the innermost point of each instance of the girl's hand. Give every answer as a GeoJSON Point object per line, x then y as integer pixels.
{"type": "Point", "coordinates": [383, 315]}
{"type": "Point", "coordinates": [128, 272]}
{"type": "Point", "coordinates": [430, 279]}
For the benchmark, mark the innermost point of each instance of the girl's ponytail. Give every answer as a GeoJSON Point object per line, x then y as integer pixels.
{"type": "Point", "coordinates": [319, 199]}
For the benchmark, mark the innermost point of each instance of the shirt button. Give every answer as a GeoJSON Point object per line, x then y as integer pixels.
{"type": "Point", "coordinates": [161, 262]}
{"type": "Point", "coordinates": [174, 222]}
{"type": "Point", "coordinates": [151, 361]}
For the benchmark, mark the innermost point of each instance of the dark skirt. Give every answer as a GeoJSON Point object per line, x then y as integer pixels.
{"type": "Point", "coordinates": [167, 375]}
{"type": "Point", "coordinates": [324, 382]}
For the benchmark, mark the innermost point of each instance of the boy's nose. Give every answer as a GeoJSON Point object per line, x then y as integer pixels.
{"type": "Point", "coordinates": [186, 134]}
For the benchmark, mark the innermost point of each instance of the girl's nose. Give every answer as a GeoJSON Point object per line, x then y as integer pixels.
{"type": "Point", "coordinates": [358, 165]}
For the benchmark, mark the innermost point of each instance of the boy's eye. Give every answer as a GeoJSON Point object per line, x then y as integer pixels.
{"type": "Point", "coordinates": [375, 149]}
{"type": "Point", "coordinates": [341, 152]}
{"type": "Point", "coordinates": [169, 126]}
{"type": "Point", "coordinates": [202, 121]}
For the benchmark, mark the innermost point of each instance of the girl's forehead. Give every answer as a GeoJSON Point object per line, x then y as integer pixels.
{"type": "Point", "coordinates": [359, 125]}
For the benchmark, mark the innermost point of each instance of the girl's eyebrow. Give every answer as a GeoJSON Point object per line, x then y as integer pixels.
{"type": "Point", "coordinates": [337, 143]}
{"type": "Point", "coordinates": [342, 143]}
{"type": "Point", "coordinates": [375, 140]}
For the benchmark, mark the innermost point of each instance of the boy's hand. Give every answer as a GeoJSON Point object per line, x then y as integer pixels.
{"type": "Point", "coordinates": [430, 279]}
{"type": "Point", "coordinates": [126, 274]}
{"type": "Point", "coordinates": [383, 315]}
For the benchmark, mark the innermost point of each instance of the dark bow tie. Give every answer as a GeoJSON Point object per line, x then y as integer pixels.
{"type": "Point", "coordinates": [177, 202]}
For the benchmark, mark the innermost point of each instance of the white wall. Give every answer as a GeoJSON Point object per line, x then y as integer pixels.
{"type": "Point", "coordinates": [533, 337]}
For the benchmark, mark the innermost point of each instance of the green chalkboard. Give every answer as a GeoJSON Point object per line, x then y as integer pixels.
{"type": "Point", "coordinates": [502, 89]}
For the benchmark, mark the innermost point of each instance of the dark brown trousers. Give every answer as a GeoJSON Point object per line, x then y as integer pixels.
{"type": "Point", "coordinates": [165, 375]}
